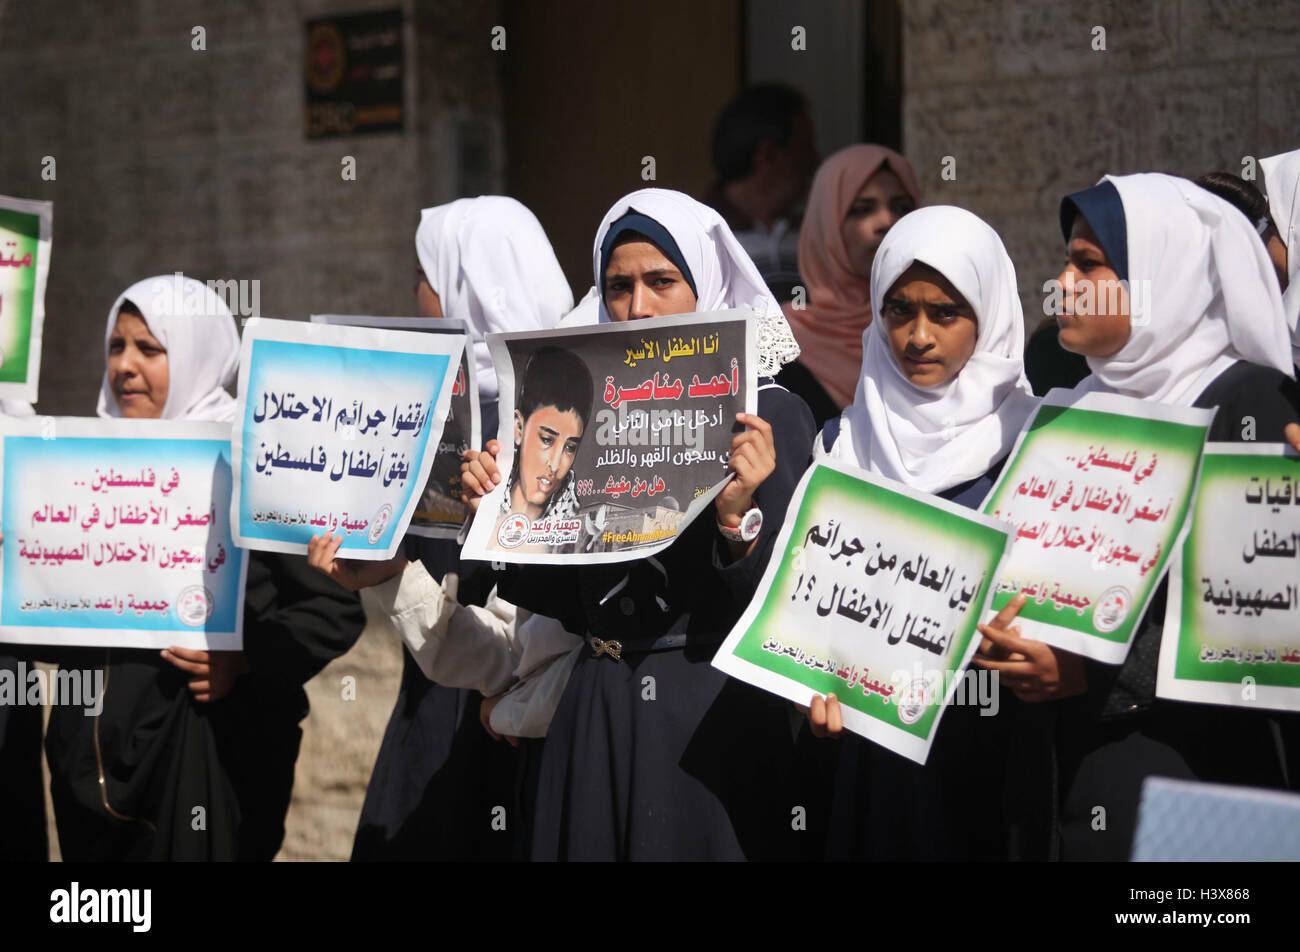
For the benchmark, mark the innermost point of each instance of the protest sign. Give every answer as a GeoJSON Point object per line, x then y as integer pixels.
{"type": "Point", "coordinates": [613, 437]}
{"type": "Point", "coordinates": [1232, 624]}
{"type": "Point", "coordinates": [1098, 489]}
{"type": "Point", "coordinates": [873, 592]}
{"type": "Point", "coordinates": [26, 237]}
{"type": "Point", "coordinates": [440, 513]}
{"type": "Point", "coordinates": [117, 534]}
{"type": "Point", "coordinates": [334, 432]}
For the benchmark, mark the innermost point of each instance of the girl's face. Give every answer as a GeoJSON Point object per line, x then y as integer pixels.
{"type": "Point", "coordinates": [879, 204]}
{"type": "Point", "coordinates": [1094, 321]}
{"type": "Point", "coordinates": [548, 442]}
{"type": "Point", "coordinates": [137, 368]}
{"type": "Point", "coordinates": [640, 282]}
{"type": "Point", "coordinates": [427, 299]}
{"type": "Point", "coordinates": [931, 329]}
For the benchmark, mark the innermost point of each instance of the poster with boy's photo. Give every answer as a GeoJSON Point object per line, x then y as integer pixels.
{"type": "Point", "coordinates": [613, 438]}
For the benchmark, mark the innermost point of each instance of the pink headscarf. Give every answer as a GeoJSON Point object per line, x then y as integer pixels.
{"type": "Point", "coordinates": [830, 329]}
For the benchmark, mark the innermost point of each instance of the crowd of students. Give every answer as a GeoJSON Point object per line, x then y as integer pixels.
{"type": "Point", "coordinates": [900, 349]}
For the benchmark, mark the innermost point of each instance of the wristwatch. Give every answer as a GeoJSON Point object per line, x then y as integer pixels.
{"type": "Point", "coordinates": [750, 524]}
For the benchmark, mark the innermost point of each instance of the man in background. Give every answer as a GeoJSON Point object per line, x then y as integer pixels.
{"type": "Point", "coordinates": [764, 156]}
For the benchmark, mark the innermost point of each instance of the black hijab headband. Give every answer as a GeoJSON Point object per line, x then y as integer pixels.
{"type": "Point", "coordinates": [1102, 208]}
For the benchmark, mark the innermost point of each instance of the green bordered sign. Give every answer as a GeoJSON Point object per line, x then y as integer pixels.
{"type": "Point", "coordinates": [873, 592]}
{"type": "Point", "coordinates": [26, 228]}
{"type": "Point", "coordinates": [1232, 628]}
{"type": "Point", "coordinates": [1098, 489]}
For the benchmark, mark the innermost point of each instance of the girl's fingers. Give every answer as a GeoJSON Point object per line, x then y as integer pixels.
{"type": "Point", "coordinates": [757, 422]}
{"type": "Point", "coordinates": [1015, 668]}
{"type": "Point", "coordinates": [332, 545]}
{"type": "Point", "coordinates": [1010, 640]}
{"type": "Point", "coordinates": [817, 716]}
{"type": "Point", "coordinates": [1292, 436]}
{"type": "Point", "coordinates": [834, 717]}
{"type": "Point", "coordinates": [316, 553]}
{"type": "Point", "coordinates": [751, 438]}
{"type": "Point", "coordinates": [187, 666]}
{"type": "Point", "coordinates": [478, 477]}
{"type": "Point", "coordinates": [469, 481]}
{"type": "Point", "coordinates": [1009, 611]}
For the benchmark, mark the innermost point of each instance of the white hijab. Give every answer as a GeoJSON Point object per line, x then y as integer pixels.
{"type": "Point", "coordinates": [492, 266]}
{"type": "Point", "coordinates": [935, 438]}
{"type": "Point", "coordinates": [725, 276]}
{"type": "Point", "coordinates": [1209, 290]}
{"type": "Point", "coordinates": [198, 331]}
{"type": "Point", "coordinates": [1282, 183]}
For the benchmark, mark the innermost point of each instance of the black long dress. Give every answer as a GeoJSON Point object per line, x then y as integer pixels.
{"type": "Point", "coordinates": [439, 776]}
{"type": "Point", "coordinates": [160, 776]}
{"type": "Point", "coordinates": [1118, 733]}
{"type": "Point", "coordinates": [659, 755]}
{"type": "Point", "coordinates": [22, 797]}
{"type": "Point", "coordinates": [963, 803]}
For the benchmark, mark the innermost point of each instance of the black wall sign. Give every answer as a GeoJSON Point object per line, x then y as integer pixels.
{"type": "Point", "coordinates": [353, 70]}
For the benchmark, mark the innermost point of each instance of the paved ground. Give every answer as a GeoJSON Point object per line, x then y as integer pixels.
{"type": "Point", "coordinates": [340, 740]}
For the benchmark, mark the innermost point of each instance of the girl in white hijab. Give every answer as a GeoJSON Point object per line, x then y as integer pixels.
{"type": "Point", "coordinates": [1199, 322]}
{"type": "Point", "coordinates": [1282, 185]}
{"type": "Point", "coordinates": [197, 333]}
{"type": "Point", "coordinates": [935, 437]}
{"type": "Point", "coordinates": [1202, 294]}
{"type": "Point", "coordinates": [487, 261]}
{"type": "Point", "coordinates": [215, 728]}
{"type": "Point", "coordinates": [652, 753]}
{"type": "Point", "coordinates": [491, 265]}
{"type": "Point", "coordinates": [939, 403]}
{"type": "Point", "coordinates": [695, 238]}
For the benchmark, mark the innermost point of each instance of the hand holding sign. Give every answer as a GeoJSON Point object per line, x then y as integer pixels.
{"type": "Point", "coordinates": [753, 458]}
{"type": "Point", "coordinates": [1033, 670]}
{"type": "Point", "coordinates": [1293, 435]}
{"type": "Point", "coordinates": [352, 574]}
{"type": "Point", "coordinates": [479, 474]}
{"type": "Point", "coordinates": [824, 716]}
{"type": "Point", "coordinates": [215, 672]}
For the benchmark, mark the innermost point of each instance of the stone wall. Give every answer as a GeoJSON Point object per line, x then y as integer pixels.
{"type": "Point", "coordinates": [1016, 94]}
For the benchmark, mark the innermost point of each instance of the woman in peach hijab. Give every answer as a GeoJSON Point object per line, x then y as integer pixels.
{"type": "Point", "coordinates": [857, 196]}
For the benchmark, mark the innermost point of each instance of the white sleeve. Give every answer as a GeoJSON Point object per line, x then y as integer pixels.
{"type": "Point", "coordinates": [547, 656]}
{"type": "Point", "coordinates": [455, 645]}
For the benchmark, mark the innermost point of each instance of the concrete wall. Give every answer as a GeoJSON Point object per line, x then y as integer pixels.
{"type": "Point", "coordinates": [1016, 94]}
